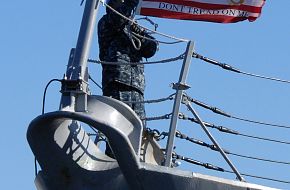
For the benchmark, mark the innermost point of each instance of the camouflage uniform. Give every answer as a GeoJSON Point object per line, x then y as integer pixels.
{"type": "Point", "coordinates": [123, 82]}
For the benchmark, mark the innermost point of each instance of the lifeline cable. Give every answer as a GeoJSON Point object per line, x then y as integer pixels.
{"type": "Point", "coordinates": [213, 147]}
{"type": "Point", "coordinates": [181, 56]}
{"type": "Point", "coordinates": [265, 139]}
{"type": "Point", "coordinates": [260, 122]}
{"type": "Point", "coordinates": [230, 68]}
{"type": "Point", "coordinates": [230, 131]}
{"type": "Point", "coordinates": [221, 112]}
{"type": "Point", "coordinates": [260, 177]}
{"type": "Point", "coordinates": [171, 97]}
{"type": "Point", "coordinates": [199, 163]}
{"type": "Point", "coordinates": [166, 116]}
{"type": "Point", "coordinates": [260, 159]}
{"type": "Point", "coordinates": [216, 168]}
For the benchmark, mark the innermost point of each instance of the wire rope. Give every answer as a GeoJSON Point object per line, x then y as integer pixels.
{"type": "Point", "coordinates": [260, 177]}
{"type": "Point", "coordinates": [230, 68]}
{"type": "Point", "coordinates": [265, 139]}
{"type": "Point", "coordinates": [221, 112]}
{"type": "Point", "coordinates": [171, 97]}
{"type": "Point", "coordinates": [260, 159]}
{"type": "Point", "coordinates": [163, 117]}
{"type": "Point", "coordinates": [216, 168]}
{"type": "Point", "coordinates": [214, 148]}
{"type": "Point", "coordinates": [181, 56]}
{"type": "Point", "coordinates": [260, 122]}
{"type": "Point", "coordinates": [265, 77]}
{"type": "Point", "coordinates": [231, 131]}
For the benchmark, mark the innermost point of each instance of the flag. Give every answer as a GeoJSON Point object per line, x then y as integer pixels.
{"type": "Point", "coordinates": [221, 11]}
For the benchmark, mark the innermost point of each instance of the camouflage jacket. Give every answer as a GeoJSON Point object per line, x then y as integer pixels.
{"type": "Point", "coordinates": [115, 46]}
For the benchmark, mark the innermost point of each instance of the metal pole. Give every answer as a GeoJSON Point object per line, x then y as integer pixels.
{"type": "Point", "coordinates": [75, 86]}
{"type": "Point", "coordinates": [239, 177]}
{"type": "Point", "coordinates": [84, 41]}
{"type": "Point", "coordinates": [180, 86]}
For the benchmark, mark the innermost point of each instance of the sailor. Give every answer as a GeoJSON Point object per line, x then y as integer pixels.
{"type": "Point", "coordinates": [124, 82]}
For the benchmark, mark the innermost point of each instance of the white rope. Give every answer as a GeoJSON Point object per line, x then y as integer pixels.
{"type": "Point", "coordinates": [134, 22]}
{"type": "Point", "coordinates": [154, 40]}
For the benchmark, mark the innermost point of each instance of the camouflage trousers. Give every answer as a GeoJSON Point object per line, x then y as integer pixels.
{"type": "Point", "coordinates": [125, 93]}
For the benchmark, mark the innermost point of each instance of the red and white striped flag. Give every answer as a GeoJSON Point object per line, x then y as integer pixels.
{"type": "Point", "coordinates": [222, 11]}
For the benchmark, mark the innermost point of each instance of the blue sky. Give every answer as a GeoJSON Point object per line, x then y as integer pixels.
{"type": "Point", "coordinates": [35, 40]}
